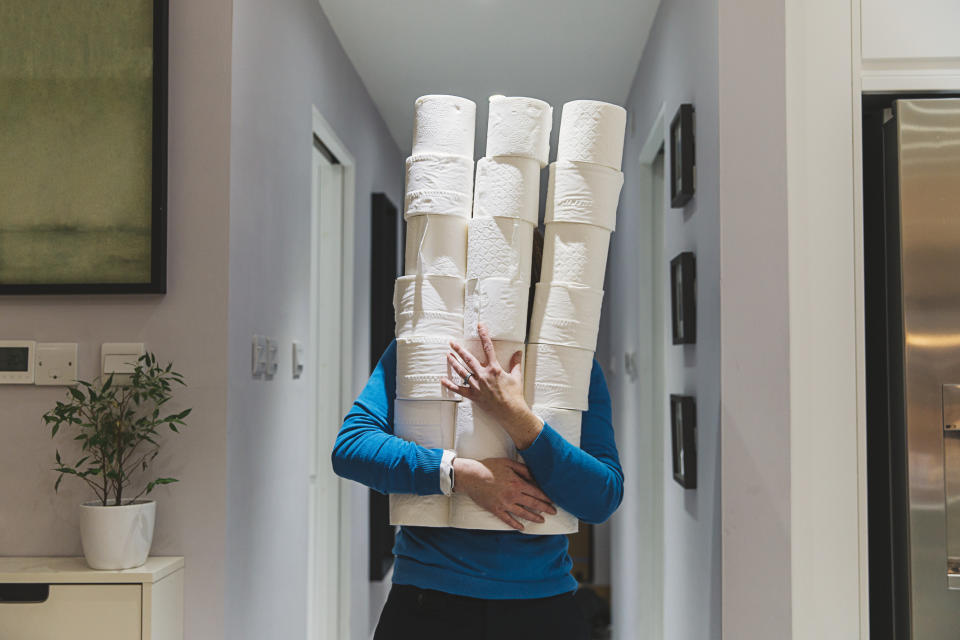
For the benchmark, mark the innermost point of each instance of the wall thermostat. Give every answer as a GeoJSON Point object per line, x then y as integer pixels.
{"type": "Point", "coordinates": [16, 361]}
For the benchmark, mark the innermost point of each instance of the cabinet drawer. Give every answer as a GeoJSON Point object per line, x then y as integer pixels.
{"type": "Point", "coordinates": [75, 611]}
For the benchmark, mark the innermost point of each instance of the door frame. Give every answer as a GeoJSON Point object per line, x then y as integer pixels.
{"type": "Point", "coordinates": [642, 617]}
{"type": "Point", "coordinates": [322, 131]}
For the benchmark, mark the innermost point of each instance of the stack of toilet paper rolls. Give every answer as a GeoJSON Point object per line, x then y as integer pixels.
{"type": "Point", "coordinates": [428, 298]}
{"type": "Point", "coordinates": [582, 193]}
{"type": "Point", "coordinates": [506, 204]}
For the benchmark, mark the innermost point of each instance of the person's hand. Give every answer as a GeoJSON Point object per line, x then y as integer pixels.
{"type": "Point", "coordinates": [496, 390]}
{"type": "Point", "coordinates": [503, 487]}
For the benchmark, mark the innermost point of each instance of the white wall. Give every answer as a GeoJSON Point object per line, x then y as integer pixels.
{"type": "Point", "coordinates": [286, 60]}
{"type": "Point", "coordinates": [186, 326]}
{"type": "Point", "coordinates": [679, 65]}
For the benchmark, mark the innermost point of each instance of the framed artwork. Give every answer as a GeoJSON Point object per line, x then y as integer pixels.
{"type": "Point", "coordinates": [683, 437]}
{"type": "Point", "coordinates": [683, 298]}
{"type": "Point", "coordinates": [683, 164]}
{"type": "Point", "coordinates": [83, 147]}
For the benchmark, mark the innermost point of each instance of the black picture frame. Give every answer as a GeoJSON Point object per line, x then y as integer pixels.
{"type": "Point", "coordinates": [683, 298]}
{"type": "Point", "coordinates": [157, 283]}
{"type": "Point", "coordinates": [682, 157]}
{"type": "Point", "coordinates": [683, 438]}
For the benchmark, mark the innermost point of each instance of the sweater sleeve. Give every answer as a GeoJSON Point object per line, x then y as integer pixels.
{"type": "Point", "coordinates": [587, 481]}
{"type": "Point", "coordinates": [366, 449]}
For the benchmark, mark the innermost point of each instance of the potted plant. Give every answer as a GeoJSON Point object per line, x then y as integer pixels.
{"type": "Point", "coordinates": [118, 425]}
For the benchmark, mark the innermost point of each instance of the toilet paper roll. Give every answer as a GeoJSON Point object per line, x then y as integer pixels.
{"type": "Point", "coordinates": [409, 510]}
{"type": "Point", "coordinates": [439, 172]}
{"type": "Point", "coordinates": [503, 349]}
{"type": "Point", "coordinates": [586, 193]}
{"type": "Point", "coordinates": [519, 126]}
{"type": "Point", "coordinates": [575, 253]}
{"type": "Point", "coordinates": [548, 203]}
{"type": "Point", "coordinates": [499, 248]}
{"type": "Point", "coordinates": [421, 364]}
{"type": "Point", "coordinates": [565, 314]}
{"type": "Point", "coordinates": [566, 422]}
{"type": "Point", "coordinates": [557, 376]}
{"type": "Point", "coordinates": [445, 203]}
{"type": "Point", "coordinates": [500, 304]}
{"type": "Point", "coordinates": [428, 305]}
{"type": "Point", "coordinates": [479, 435]}
{"type": "Point", "coordinates": [436, 246]}
{"type": "Point", "coordinates": [444, 124]}
{"type": "Point", "coordinates": [467, 514]}
{"type": "Point", "coordinates": [429, 423]}
{"type": "Point", "coordinates": [592, 131]}
{"type": "Point", "coordinates": [507, 187]}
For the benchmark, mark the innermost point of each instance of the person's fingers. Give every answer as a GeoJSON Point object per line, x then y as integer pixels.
{"type": "Point", "coordinates": [466, 392]}
{"type": "Point", "coordinates": [487, 345]}
{"type": "Point", "coordinates": [515, 362]}
{"type": "Point", "coordinates": [529, 513]}
{"type": "Point", "coordinates": [462, 371]}
{"type": "Point", "coordinates": [520, 469]}
{"type": "Point", "coordinates": [507, 517]}
{"type": "Point", "coordinates": [468, 358]}
{"type": "Point", "coordinates": [536, 504]}
{"type": "Point", "coordinates": [533, 490]}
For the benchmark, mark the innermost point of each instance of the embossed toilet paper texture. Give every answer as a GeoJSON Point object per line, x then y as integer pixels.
{"type": "Point", "coordinates": [436, 245]}
{"type": "Point", "coordinates": [501, 304]}
{"type": "Point", "coordinates": [444, 124]}
{"type": "Point", "coordinates": [518, 126]}
{"type": "Point", "coordinates": [586, 193]}
{"type": "Point", "coordinates": [499, 248]}
{"type": "Point", "coordinates": [421, 364]}
{"type": "Point", "coordinates": [439, 172]}
{"type": "Point", "coordinates": [592, 131]}
{"type": "Point", "coordinates": [428, 305]}
{"type": "Point", "coordinates": [566, 314]}
{"type": "Point", "coordinates": [575, 253]}
{"type": "Point", "coordinates": [507, 187]}
{"type": "Point", "coordinates": [557, 376]}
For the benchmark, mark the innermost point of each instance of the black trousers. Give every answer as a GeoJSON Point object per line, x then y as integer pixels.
{"type": "Point", "coordinates": [423, 614]}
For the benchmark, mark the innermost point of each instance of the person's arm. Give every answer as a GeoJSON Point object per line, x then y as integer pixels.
{"type": "Point", "coordinates": [366, 449]}
{"type": "Point", "coordinates": [587, 480]}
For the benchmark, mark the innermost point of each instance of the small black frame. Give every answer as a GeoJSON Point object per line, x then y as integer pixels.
{"type": "Point", "coordinates": [682, 157]}
{"type": "Point", "coordinates": [683, 298]}
{"type": "Point", "coordinates": [158, 224]}
{"type": "Point", "coordinates": [683, 438]}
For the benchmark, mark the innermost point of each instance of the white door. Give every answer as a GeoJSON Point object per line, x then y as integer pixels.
{"type": "Point", "coordinates": [326, 295]}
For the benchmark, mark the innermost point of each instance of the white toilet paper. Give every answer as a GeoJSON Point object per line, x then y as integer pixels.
{"type": "Point", "coordinates": [519, 126]}
{"type": "Point", "coordinates": [575, 253]}
{"type": "Point", "coordinates": [557, 376]}
{"type": "Point", "coordinates": [439, 172]}
{"type": "Point", "coordinates": [429, 423]}
{"type": "Point", "coordinates": [586, 193]}
{"type": "Point", "coordinates": [499, 248]}
{"type": "Point", "coordinates": [501, 304]}
{"type": "Point", "coordinates": [565, 314]}
{"type": "Point", "coordinates": [436, 246]}
{"type": "Point", "coordinates": [592, 131]}
{"type": "Point", "coordinates": [548, 203]}
{"type": "Point", "coordinates": [444, 124]}
{"type": "Point", "coordinates": [446, 203]}
{"type": "Point", "coordinates": [507, 187]}
{"type": "Point", "coordinates": [409, 510]}
{"type": "Point", "coordinates": [428, 305]}
{"type": "Point", "coordinates": [566, 422]}
{"type": "Point", "coordinates": [421, 363]}
{"type": "Point", "coordinates": [503, 349]}
{"type": "Point", "coordinates": [478, 436]}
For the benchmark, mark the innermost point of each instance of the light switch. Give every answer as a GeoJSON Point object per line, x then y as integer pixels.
{"type": "Point", "coordinates": [273, 357]}
{"type": "Point", "coordinates": [119, 359]}
{"type": "Point", "coordinates": [298, 360]}
{"type": "Point", "coordinates": [258, 356]}
{"type": "Point", "coordinates": [56, 363]}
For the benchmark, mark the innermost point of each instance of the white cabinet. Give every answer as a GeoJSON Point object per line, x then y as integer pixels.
{"type": "Point", "coordinates": [55, 598]}
{"type": "Point", "coordinates": [908, 30]}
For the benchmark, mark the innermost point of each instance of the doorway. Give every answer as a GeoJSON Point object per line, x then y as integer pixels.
{"type": "Point", "coordinates": [331, 305]}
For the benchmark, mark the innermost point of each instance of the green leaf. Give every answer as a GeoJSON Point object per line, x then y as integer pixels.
{"type": "Point", "coordinates": [75, 393]}
{"type": "Point", "coordinates": [58, 457]}
{"type": "Point", "coordinates": [56, 485]}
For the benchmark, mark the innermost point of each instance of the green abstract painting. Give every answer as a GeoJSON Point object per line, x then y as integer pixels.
{"type": "Point", "coordinates": [77, 143]}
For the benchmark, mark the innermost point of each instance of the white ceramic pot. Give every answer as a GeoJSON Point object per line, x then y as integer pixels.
{"type": "Point", "coordinates": [117, 537]}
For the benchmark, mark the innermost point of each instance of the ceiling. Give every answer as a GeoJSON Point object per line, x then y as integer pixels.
{"type": "Point", "coordinates": [555, 50]}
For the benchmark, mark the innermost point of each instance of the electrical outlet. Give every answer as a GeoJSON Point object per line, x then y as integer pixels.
{"type": "Point", "coordinates": [56, 363]}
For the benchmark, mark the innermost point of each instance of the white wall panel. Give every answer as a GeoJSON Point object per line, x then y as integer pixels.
{"type": "Point", "coordinates": [910, 29]}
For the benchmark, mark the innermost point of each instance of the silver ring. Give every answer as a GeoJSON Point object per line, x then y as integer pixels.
{"type": "Point", "coordinates": [466, 381]}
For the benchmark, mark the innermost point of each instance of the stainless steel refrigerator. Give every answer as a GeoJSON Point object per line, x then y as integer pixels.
{"type": "Point", "coordinates": [911, 162]}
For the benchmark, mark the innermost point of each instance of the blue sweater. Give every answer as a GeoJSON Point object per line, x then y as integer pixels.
{"type": "Point", "coordinates": [586, 481]}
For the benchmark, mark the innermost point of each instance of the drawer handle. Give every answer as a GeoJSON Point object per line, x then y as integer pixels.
{"type": "Point", "coordinates": [24, 593]}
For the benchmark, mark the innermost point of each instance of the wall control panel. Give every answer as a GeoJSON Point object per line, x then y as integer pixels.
{"type": "Point", "coordinates": [17, 361]}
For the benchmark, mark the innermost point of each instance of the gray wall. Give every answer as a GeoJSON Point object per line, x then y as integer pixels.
{"type": "Point", "coordinates": [185, 326]}
{"type": "Point", "coordinates": [679, 65]}
{"type": "Point", "coordinates": [286, 59]}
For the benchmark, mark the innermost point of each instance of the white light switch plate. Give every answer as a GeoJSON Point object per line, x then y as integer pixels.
{"type": "Point", "coordinates": [56, 363]}
{"type": "Point", "coordinates": [258, 356]}
{"type": "Point", "coordinates": [119, 358]}
{"type": "Point", "coordinates": [273, 357]}
{"type": "Point", "coordinates": [298, 359]}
